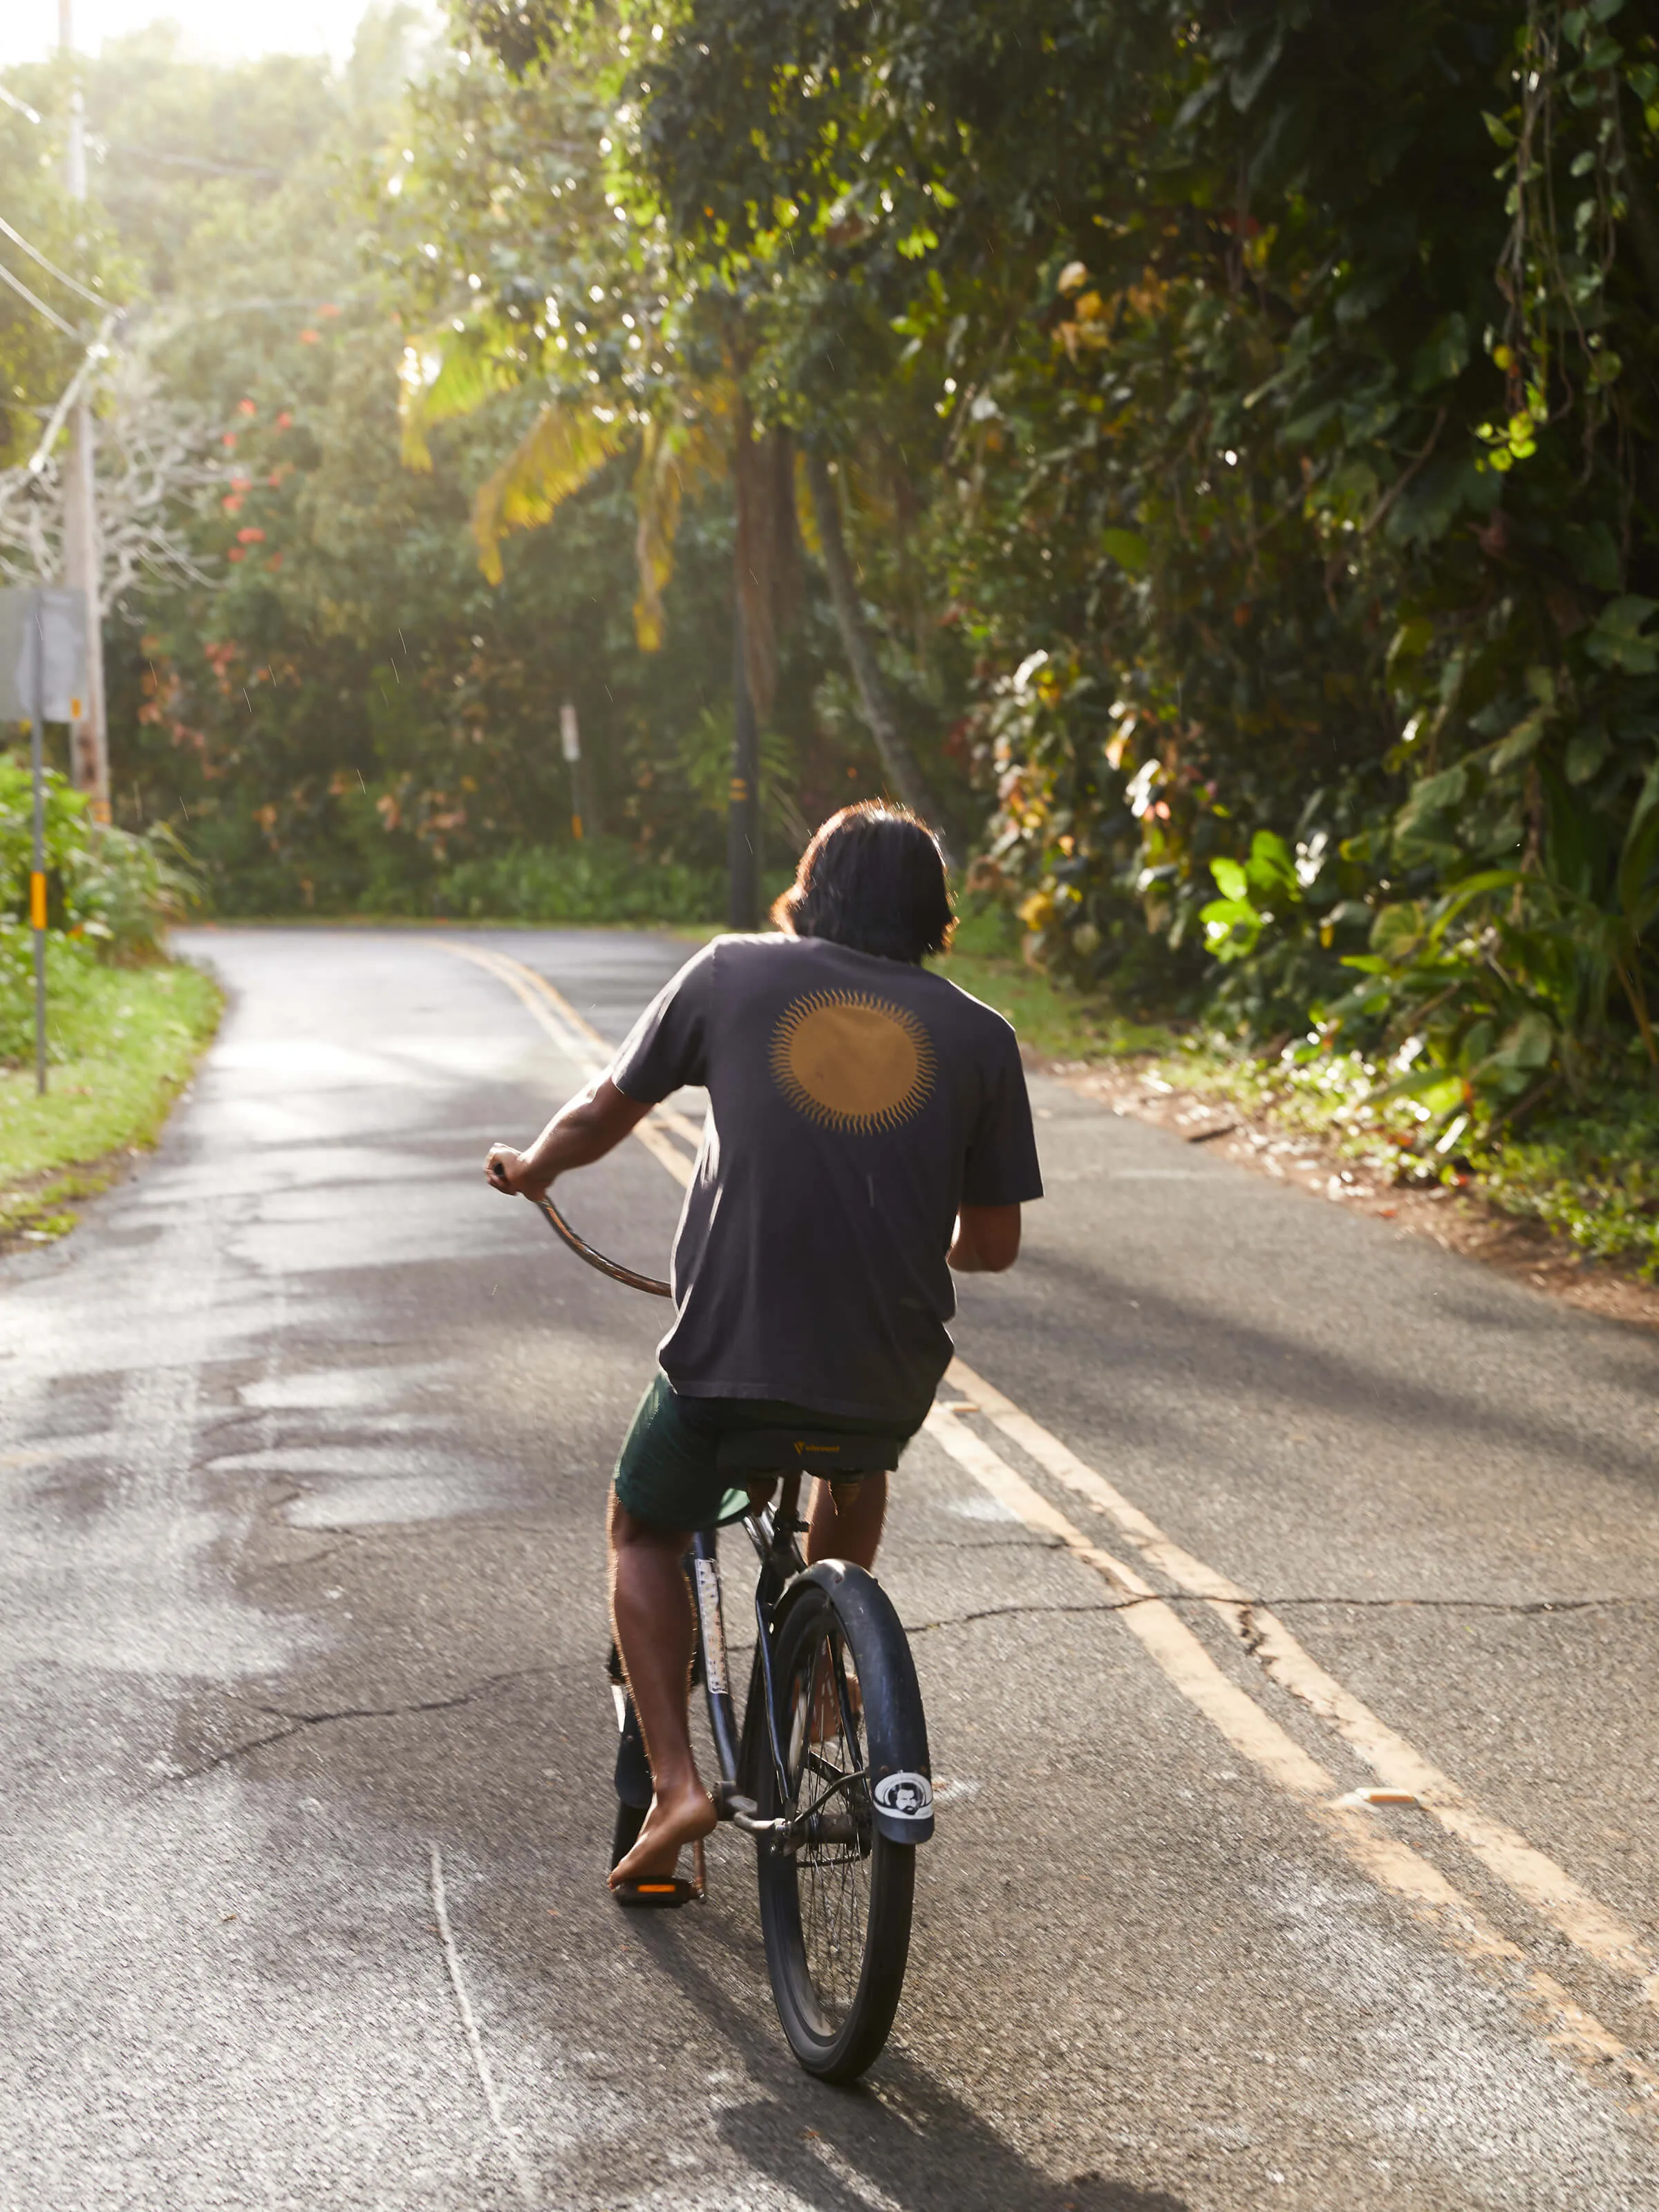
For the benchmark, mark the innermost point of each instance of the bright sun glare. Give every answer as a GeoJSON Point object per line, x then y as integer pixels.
{"type": "Point", "coordinates": [220, 28]}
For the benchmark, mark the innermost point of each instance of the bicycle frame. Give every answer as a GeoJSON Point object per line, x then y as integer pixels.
{"type": "Point", "coordinates": [773, 1531]}
{"type": "Point", "coordinates": [894, 1731]}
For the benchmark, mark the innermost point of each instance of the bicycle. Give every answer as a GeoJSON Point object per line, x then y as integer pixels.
{"type": "Point", "coordinates": [827, 1771]}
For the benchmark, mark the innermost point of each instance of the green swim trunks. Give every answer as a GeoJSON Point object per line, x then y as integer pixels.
{"type": "Point", "coordinates": [668, 1473]}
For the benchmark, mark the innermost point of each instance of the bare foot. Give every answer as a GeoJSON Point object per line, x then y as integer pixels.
{"type": "Point", "coordinates": [670, 1825]}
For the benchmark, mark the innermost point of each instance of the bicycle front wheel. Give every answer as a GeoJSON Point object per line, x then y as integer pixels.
{"type": "Point", "coordinates": [836, 1906]}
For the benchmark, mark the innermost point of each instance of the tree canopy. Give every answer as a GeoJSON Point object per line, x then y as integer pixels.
{"type": "Point", "coordinates": [1206, 453]}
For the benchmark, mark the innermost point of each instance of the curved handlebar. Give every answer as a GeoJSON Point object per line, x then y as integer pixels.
{"type": "Point", "coordinates": [584, 1251]}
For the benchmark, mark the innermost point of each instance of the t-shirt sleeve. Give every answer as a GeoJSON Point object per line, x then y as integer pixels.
{"type": "Point", "coordinates": [1002, 1168]}
{"type": "Point", "coordinates": [667, 1048]}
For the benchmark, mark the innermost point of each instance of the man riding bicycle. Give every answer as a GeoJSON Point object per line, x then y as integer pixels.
{"type": "Point", "coordinates": [868, 1130]}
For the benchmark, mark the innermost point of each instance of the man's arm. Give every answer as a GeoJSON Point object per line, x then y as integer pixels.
{"type": "Point", "coordinates": [987, 1240]}
{"type": "Point", "coordinates": [590, 1125]}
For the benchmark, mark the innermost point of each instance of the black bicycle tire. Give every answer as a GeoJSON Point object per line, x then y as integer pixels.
{"type": "Point", "coordinates": [848, 2050]}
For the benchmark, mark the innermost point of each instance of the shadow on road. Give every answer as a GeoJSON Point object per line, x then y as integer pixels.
{"type": "Point", "coordinates": [1076, 1303]}
{"type": "Point", "coordinates": [899, 2138]}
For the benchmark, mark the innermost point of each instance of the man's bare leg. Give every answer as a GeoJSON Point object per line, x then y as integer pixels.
{"type": "Point", "coordinates": [651, 1613]}
{"type": "Point", "coordinates": [848, 1528]}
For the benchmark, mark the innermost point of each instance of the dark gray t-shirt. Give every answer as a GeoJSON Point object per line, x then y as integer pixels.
{"type": "Point", "coordinates": [854, 1104]}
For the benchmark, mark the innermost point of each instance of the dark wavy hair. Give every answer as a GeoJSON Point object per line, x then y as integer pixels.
{"type": "Point", "coordinates": [872, 878]}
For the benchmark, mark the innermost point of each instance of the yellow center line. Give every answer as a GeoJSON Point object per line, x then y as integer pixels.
{"type": "Point", "coordinates": [1548, 1888]}
{"type": "Point", "coordinates": [1394, 1865]}
{"type": "Point", "coordinates": [577, 1039]}
{"type": "Point", "coordinates": [1166, 1635]}
{"type": "Point", "coordinates": [1178, 1652]}
{"type": "Point", "coordinates": [668, 1116]}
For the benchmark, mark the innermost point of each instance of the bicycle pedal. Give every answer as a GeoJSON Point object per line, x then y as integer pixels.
{"type": "Point", "coordinates": [663, 1896]}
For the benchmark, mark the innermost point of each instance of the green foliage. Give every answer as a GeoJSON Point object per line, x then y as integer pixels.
{"type": "Point", "coordinates": [1244, 417]}
{"type": "Point", "coordinates": [63, 824]}
{"type": "Point", "coordinates": [596, 880]}
{"type": "Point", "coordinates": [1593, 1177]}
{"type": "Point", "coordinates": [128, 1040]}
{"type": "Point", "coordinates": [71, 974]}
{"type": "Point", "coordinates": [342, 707]}
{"type": "Point", "coordinates": [1299, 372]}
{"type": "Point", "coordinates": [110, 894]}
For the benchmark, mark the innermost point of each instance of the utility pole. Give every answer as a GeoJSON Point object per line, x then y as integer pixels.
{"type": "Point", "coordinates": [89, 734]}
{"type": "Point", "coordinates": [743, 813]}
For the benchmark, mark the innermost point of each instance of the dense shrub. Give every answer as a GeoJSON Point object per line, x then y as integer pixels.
{"type": "Point", "coordinates": [598, 880]}
{"type": "Point", "coordinates": [111, 895]}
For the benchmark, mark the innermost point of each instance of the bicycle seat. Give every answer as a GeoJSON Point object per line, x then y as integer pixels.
{"type": "Point", "coordinates": [829, 1452]}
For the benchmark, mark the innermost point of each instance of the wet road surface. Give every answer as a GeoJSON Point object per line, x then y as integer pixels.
{"type": "Point", "coordinates": [1249, 1507]}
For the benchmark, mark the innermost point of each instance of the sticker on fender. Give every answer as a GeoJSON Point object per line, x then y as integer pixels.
{"type": "Point", "coordinates": [906, 1796]}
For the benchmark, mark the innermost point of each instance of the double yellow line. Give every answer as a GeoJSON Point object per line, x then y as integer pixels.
{"type": "Point", "coordinates": [581, 1043]}
{"type": "Point", "coordinates": [1345, 1817]}
{"type": "Point", "coordinates": [1404, 1774]}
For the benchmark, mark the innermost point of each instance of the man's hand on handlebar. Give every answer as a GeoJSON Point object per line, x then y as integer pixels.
{"type": "Point", "coordinates": [510, 1172]}
{"type": "Point", "coordinates": [580, 1132]}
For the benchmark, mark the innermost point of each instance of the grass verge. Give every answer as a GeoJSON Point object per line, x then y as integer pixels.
{"type": "Point", "coordinates": [1053, 1022]}
{"type": "Point", "coordinates": [126, 1043]}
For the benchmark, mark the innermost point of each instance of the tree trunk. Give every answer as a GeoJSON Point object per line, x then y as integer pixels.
{"type": "Point", "coordinates": [903, 771]}
{"type": "Point", "coordinates": [767, 551]}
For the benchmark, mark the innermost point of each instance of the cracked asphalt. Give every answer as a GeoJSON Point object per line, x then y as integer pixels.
{"type": "Point", "coordinates": [304, 1441]}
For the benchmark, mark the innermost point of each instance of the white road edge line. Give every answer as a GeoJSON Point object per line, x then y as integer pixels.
{"type": "Point", "coordinates": [1255, 1735]}
{"type": "Point", "coordinates": [1529, 1873]}
{"type": "Point", "coordinates": [1548, 1888]}
{"type": "Point", "coordinates": [521, 2171]}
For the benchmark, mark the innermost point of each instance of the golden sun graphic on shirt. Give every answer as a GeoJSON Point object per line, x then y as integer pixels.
{"type": "Point", "coordinates": [852, 1061]}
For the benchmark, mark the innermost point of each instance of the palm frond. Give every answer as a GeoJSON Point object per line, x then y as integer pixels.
{"type": "Point", "coordinates": [674, 458]}
{"type": "Point", "coordinates": [565, 446]}
{"type": "Point", "coordinates": [473, 365]}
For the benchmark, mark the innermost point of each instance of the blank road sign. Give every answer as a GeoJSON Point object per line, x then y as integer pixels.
{"type": "Point", "coordinates": [53, 625]}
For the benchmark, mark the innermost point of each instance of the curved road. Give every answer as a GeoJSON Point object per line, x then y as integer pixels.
{"type": "Point", "coordinates": [1247, 1509]}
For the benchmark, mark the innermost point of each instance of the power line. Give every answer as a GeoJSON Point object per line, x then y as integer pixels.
{"type": "Point", "coordinates": [51, 313]}
{"type": "Point", "coordinates": [93, 299]}
{"type": "Point", "coordinates": [97, 351]}
{"type": "Point", "coordinates": [191, 161]}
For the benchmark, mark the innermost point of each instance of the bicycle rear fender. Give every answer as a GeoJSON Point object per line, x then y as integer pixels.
{"type": "Point", "coordinates": [895, 1727]}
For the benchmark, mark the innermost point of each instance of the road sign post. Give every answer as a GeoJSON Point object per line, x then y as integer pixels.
{"type": "Point", "coordinates": [570, 743]}
{"type": "Point", "coordinates": [43, 659]}
{"type": "Point", "coordinates": [38, 868]}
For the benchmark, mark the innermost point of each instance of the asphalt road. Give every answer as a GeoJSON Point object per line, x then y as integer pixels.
{"type": "Point", "coordinates": [304, 1441]}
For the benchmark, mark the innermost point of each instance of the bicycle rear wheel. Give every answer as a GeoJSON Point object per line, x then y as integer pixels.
{"type": "Point", "coordinates": [835, 1909]}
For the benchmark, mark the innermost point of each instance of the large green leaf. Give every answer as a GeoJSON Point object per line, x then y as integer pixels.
{"type": "Point", "coordinates": [1128, 548]}
{"type": "Point", "coordinates": [1620, 638]}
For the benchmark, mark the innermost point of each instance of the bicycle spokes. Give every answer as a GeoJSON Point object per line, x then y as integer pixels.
{"type": "Point", "coordinates": [827, 1802]}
